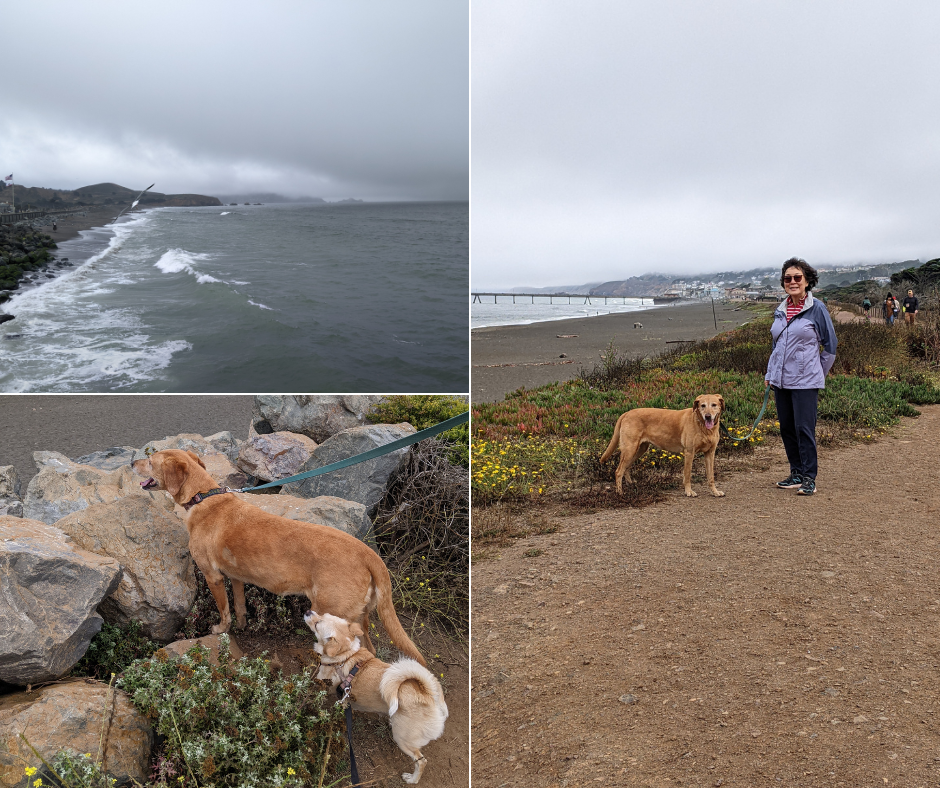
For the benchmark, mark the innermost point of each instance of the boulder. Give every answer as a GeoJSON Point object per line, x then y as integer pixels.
{"type": "Point", "coordinates": [317, 417]}
{"type": "Point", "coordinates": [9, 482]}
{"type": "Point", "coordinates": [210, 451]}
{"type": "Point", "coordinates": [275, 456]}
{"type": "Point", "coordinates": [62, 487]}
{"type": "Point", "coordinates": [364, 482]}
{"type": "Point", "coordinates": [108, 459]}
{"type": "Point", "coordinates": [49, 590]}
{"type": "Point", "coordinates": [347, 516]}
{"type": "Point", "coordinates": [211, 642]}
{"type": "Point", "coordinates": [69, 716]}
{"type": "Point", "coordinates": [158, 580]}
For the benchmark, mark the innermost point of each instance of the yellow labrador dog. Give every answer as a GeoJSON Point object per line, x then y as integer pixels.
{"type": "Point", "coordinates": [691, 430]}
{"type": "Point", "coordinates": [407, 692]}
{"type": "Point", "coordinates": [227, 536]}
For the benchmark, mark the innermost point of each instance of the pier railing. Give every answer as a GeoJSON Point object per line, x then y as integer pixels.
{"type": "Point", "coordinates": [478, 297]}
{"type": "Point", "coordinates": [24, 216]}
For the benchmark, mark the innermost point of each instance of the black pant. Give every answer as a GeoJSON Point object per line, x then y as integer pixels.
{"type": "Point", "coordinates": [796, 409]}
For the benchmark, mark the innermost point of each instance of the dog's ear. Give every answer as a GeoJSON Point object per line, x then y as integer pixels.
{"type": "Point", "coordinates": [696, 403]}
{"type": "Point", "coordinates": [721, 402]}
{"type": "Point", "coordinates": [197, 458]}
{"type": "Point", "coordinates": [355, 630]}
{"type": "Point", "coordinates": [174, 475]}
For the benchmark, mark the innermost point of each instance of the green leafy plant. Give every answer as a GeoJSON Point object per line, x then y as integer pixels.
{"type": "Point", "coordinates": [425, 410]}
{"type": "Point", "coordinates": [236, 724]}
{"type": "Point", "coordinates": [113, 649]}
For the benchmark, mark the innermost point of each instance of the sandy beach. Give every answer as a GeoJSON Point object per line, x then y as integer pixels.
{"type": "Point", "coordinates": [75, 425]}
{"type": "Point", "coordinates": [68, 227]}
{"type": "Point", "coordinates": [506, 358]}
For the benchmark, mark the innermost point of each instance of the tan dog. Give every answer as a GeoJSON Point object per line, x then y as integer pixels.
{"type": "Point", "coordinates": [406, 691]}
{"type": "Point", "coordinates": [229, 537]}
{"type": "Point", "coordinates": [691, 430]}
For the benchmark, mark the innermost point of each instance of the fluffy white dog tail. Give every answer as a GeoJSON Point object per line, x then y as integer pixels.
{"type": "Point", "coordinates": [407, 683]}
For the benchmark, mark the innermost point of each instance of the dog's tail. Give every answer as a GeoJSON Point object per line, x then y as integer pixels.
{"type": "Point", "coordinates": [383, 596]}
{"type": "Point", "coordinates": [408, 684]}
{"type": "Point", "coordinates": [614, 441]}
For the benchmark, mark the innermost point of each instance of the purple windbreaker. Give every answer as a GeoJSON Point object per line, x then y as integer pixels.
{"type": "Point", "coordinates": [797, 362]}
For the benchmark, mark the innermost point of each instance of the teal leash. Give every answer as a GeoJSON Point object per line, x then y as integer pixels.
{"type": "Point", "coordinates": [378, 451]}
{"type": "Point", "coordinates": [756, 422]}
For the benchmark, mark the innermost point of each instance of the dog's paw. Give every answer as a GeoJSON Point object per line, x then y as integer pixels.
{"type": "Point", "coordinates": [718, 493]}
{"type": "Point", "coordinates": [219, 629]}
{"type": "Point", "coordinates": [410, 778]}
{"type": "Point", "coordinates": [691, 494]}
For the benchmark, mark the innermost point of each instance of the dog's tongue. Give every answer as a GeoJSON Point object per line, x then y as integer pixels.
{"type": "Point", "coordinates": [147, 484]}
{"type": "Point", "coordinates": [709, 423]}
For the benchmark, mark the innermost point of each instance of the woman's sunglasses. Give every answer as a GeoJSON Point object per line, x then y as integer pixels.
{"type": "Point", "coordinates": [794, 278]}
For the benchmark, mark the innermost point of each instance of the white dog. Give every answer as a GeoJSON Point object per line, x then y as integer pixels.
{"type": "Point", "coordinates": [405, 690]}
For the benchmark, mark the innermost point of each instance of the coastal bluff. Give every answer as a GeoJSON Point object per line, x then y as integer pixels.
{"type": "Point", "coordinates": [100, 194]}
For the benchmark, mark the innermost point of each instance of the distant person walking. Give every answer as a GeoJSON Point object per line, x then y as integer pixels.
{"type": "Point", "coordinates": [910, 308]}
{"type": "Point", "coordinates": [804, 350]}
{"type": "Point", "coordinates": [887, 310]}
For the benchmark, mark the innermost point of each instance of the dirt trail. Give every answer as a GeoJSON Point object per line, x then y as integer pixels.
{"type": "Point", "coordinates": [761, 639]}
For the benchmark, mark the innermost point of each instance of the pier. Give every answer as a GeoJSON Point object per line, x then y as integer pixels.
{"type": "Point", "coordinates": [657, 300]}
{"type": "Point", "coordinates": [25, 216]}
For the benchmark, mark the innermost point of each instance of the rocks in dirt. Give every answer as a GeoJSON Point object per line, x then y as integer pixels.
{"type": "Point", "coordinates": [275, 456]}
{"type": "Point", "coordinates": [629, 699]}
{"type": "Point", "coordinates": [364, 482]}
{"type": "Point", "coordinates": [62, 487]}
{"type": "Point", "coordinates": [180, 647]}
{"type": "Point", "coordinates": [317, 417]}
{"type": "Point", "coordinates": [10, 503]}
{"type": "Point", "coordinates": [49, 590]}
{"type": "Point", "coordinates": [347, 516]}
{"type": "Point", "coordinates": [158, 580]}
{"type": "Point", "coordinates": [70, 716]}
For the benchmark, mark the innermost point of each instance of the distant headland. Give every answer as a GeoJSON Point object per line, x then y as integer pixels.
{"type": "Point", "coordinates": [99, 195]}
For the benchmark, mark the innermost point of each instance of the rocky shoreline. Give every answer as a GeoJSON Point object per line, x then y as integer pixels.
{"type": "Point", "coordinates": [25, 253]}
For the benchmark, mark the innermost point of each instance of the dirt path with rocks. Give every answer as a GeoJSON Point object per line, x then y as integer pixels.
{"type": "Point", "coordinates": [760, 639]}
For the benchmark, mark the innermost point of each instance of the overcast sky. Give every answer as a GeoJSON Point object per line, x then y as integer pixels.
{"type": "Point", "coordinates": [612, 139]}
{"type": "Point", "coordinates": [308, 98]}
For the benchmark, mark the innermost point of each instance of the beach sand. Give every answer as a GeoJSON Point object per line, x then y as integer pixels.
{"type": "Point", "coordinates": [75, 425]}
{"type": "Point", "coordinates": [68, 227]}
{"type": "Point", "coordinates": [505, 358]}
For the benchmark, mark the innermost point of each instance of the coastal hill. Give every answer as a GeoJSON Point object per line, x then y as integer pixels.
{"type": "Point", "coordinates": [100, 194]}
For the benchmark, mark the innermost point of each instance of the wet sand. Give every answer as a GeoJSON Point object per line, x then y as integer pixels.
{"type": "Point", "coordinates": [505, 358]}
{"type": "Point", "coordinates": [78, 424]}
{"type": "Point", "coordinates": [68, 227]}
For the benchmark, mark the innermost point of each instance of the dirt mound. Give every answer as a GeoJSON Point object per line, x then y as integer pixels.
{"type": "Point", "coordinates": [758, 639]}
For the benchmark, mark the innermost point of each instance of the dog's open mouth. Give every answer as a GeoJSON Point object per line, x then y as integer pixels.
{"type": "Point", "coordinates": [709, 422]}
{"type": "Point", "coordinates": [150, 484]}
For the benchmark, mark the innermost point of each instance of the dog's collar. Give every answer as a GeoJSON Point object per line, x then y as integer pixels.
{"type": "Point", "coordinates": [199, 497]}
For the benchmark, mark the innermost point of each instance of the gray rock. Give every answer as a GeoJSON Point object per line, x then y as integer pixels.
{"type": "Point", "coordinates": [211, 642]}
{"type": "Point", "coordinates": [226, 443]}
{"type": "Point", "coordinates": [158, 579]}
{"type": "Point", "coordinates": [275, 456]}
{"type": "Point", "coordinates": [69, 716]}
{"type": "Point", "coordinates": [12, 507]}
{"type": "Point", "coordinates": [9, 482]}
{"type": "Point", "coordinates": [49, 590]}
{"type": "Point", "coordinates": [317, 417]}
{"type": "Point", "coordinates": [347, 516]}
{"type": "Point", "coordinates": [364, 482]}
{"type": "Point", "coordinates": [108, 459]}
{"type": "Point", "coordinates": [62, 487]}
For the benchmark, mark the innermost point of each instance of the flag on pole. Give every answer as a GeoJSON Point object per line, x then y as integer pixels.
{"type": "Point", "coordinates": [9, 177]}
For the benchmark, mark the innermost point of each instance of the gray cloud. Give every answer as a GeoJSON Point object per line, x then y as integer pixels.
{"type": "Point", "coordinates": [324, 99]}
{"type": "Point", "coordinates": [614, 139]}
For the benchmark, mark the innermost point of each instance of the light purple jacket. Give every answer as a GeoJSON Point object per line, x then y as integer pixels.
{"type": "Point", "coordinates": [797, 362]}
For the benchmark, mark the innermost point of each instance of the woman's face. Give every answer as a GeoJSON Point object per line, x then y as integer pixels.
{"type": "Point", "coordinates": [796, 287]}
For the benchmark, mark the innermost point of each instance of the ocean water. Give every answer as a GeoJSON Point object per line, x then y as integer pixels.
{"type": "Point", "coordinates": [506, 313]}
{"type": "Point", "coordinates": [252, 299]}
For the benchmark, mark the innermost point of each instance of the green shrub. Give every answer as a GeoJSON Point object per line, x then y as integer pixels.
{"type": "Point", "coordinates": [425, 410]}
{"type": "Point", "coordinates": [113, 649]}
{"type": "Point", "coordinates": [237, 724]}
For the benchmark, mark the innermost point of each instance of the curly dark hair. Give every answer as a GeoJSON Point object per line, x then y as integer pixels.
{"type": "Point", "coordinates": [812, 278]}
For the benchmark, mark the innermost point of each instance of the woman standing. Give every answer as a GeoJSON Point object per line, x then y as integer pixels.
{"type": "Point", "coordinates": [797, 369]}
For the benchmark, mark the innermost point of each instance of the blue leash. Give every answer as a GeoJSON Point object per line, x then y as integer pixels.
{"type": "Point", "coordinates": [409, 440]}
